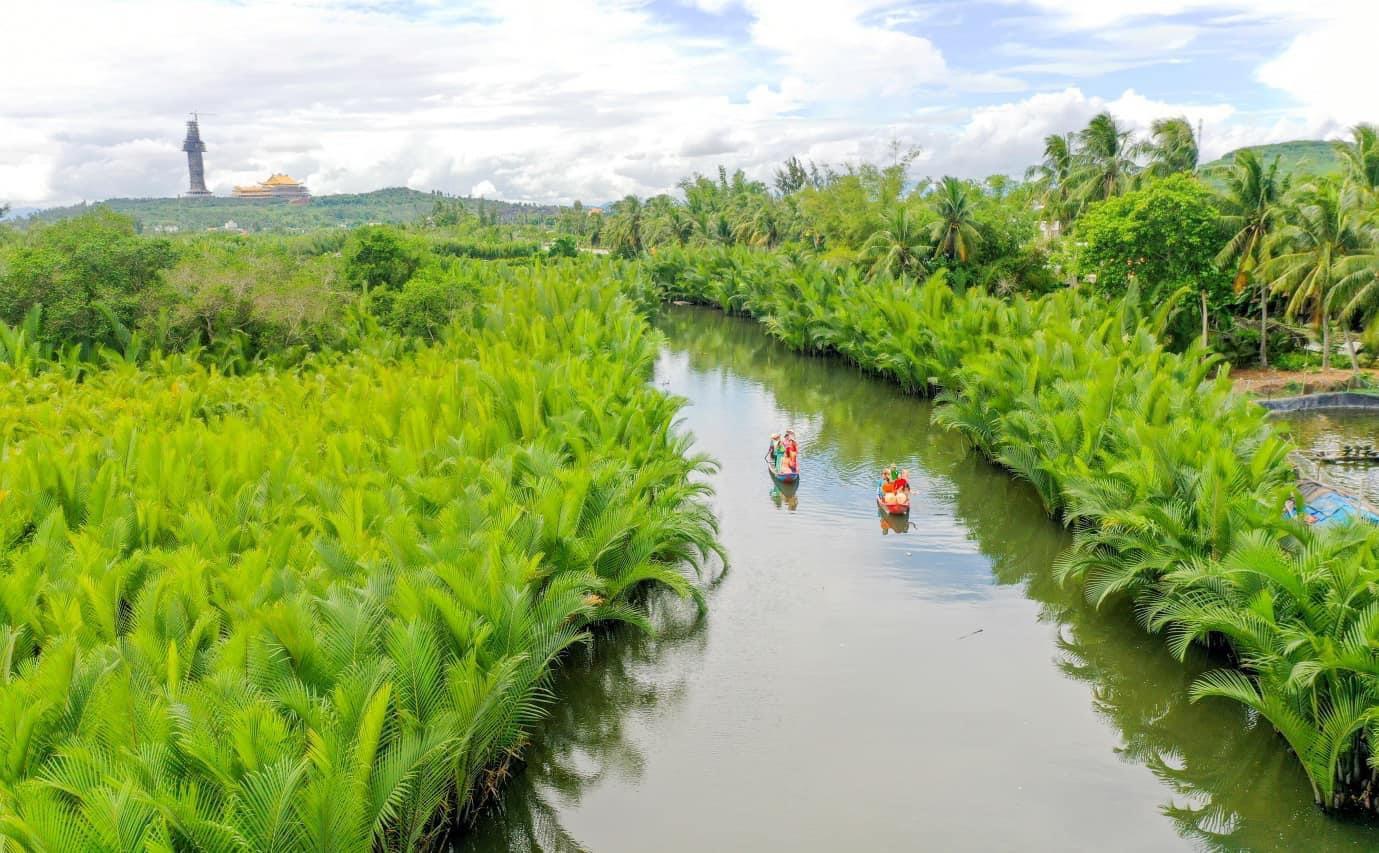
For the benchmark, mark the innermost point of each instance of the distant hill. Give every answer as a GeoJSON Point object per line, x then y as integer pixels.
{"type": "Point", "coordinates": [1303, 158]}
{"type": "Point", "coordinates": [396, 205]}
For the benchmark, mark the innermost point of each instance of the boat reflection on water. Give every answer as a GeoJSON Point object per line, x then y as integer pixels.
{"type": "Point", "coordinates": [786, 495]}
{"type": "Point", "coordinates": [893, 523]}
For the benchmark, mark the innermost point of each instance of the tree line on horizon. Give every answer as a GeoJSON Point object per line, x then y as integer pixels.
{"type": "Point", "coordinates": [1276, 258]}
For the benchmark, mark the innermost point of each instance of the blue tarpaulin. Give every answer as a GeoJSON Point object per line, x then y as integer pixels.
{"type": "Point", "coordinates": [1334, 508]}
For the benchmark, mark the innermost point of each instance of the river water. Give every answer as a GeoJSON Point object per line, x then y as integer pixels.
{"type": "Point", "coordinates": [857, 685]}
{"type": "Point", "coordinates": [1328, 430]}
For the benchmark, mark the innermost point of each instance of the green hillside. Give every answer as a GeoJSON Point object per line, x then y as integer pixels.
{"type": "Point", "coordinates": [396, 205]}
{"type": "Point", "coordinates": [1303, 158]}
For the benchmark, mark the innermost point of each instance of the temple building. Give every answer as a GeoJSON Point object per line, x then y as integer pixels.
{"type": "Point", "coordinates": [276, 187]}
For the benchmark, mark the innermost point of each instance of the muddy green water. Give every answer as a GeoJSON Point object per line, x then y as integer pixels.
{"type": "Point", "coordinates": [1330, 430]}
{"type": "Point", "coordinates": [858, 685]}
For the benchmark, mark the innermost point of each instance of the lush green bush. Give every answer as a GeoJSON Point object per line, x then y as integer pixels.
{"type": "Point", "coordinates": [1162, 237]}
{"type": "Point", "coordinates": [427, 304]}
{"type": "Point", "coordinates": [1297, 360]}
{"type": "Point", "coordinates": [489, 251]}
{"type": "Point", "coordinates": [563, 246]}
{"type": "Point", "coordinates": [91, 275]}
{"type": "Point", "coordinates": [270, 292]}
{"type": "Point", "coordinates": [381, 256]}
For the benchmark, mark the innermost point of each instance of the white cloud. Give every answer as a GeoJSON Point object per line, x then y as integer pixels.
{"type": "Point", "coordinates": [555, 100]}
{"type": "Point", "coordinates": [1097, 14]}
{"type": "Point", "coordinates": [1008, 137]}
{"type": "Point", "coordinates": [1329, 69]}
{"type": "Point", "coordinates": [483, 189]}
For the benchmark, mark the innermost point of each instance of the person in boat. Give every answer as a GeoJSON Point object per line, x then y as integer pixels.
{"type": "Point", "coordinates": [902, 488]}
{"type": "Point", "coordinates": [791, 453]}
{"type": "Point", "coordinates": [895, 487]}
{"type": "Point", "coordinates": [773, 452]}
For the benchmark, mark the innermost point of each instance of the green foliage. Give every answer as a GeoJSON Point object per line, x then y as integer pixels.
{"type": "Point", "coordinates": [1172, 147]}
{"type": "Point", "coordinates": [380, 256]}
{"type": "Point", "coordinates": [486, 250]}
{"type": "Point", "coordinates": [90, 275]}
{"type": "Point", "coordinates": [317, 607]}
{"type": "Point", "coordinates": [428, 302]}
{"type": "Point", "coordinates": [563, 246]}
{"type": "Point", "coordinates": [1104, 161]}
{"type": "Point", "coordinates": [1298, 360]}
{"type": "Point", "coordinates": [277, 294]}
{"type": "Point", "coordinates": [954, 230]}
{"type": "Point", "coordinates": [1164, 236]}
{"type": "Point", "coordinates": [394, 206]}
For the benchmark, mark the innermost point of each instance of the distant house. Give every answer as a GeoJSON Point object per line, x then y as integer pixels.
{"type": "Point", "coordinates": [278, 186]}
{"type": "Point", "coordinates": [594, 211]}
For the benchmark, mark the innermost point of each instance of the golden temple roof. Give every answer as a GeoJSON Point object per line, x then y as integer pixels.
{"type": "Point", "coordinates": [279, 180]}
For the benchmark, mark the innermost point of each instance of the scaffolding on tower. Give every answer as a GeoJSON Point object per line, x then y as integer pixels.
{"type": "Point", "coordinates": [196, 168]}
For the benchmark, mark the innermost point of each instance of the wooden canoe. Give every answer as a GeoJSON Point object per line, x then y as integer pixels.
{"type": "Point", "coordinates": [782, 476]}
{"type": "Point", "coordinates": [892, 509]}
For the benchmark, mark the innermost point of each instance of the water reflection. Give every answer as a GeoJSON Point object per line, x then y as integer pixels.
{"type": "Point", "coordinates": [1223, 783]}
{"type": "Point", "coordinates": [893, 523]}
{"type": "Point", "coordinates": [584, 740]}
{"type": "Point", "coordinates": [1331, 430]}
{"type": "Point", "coordinates": [785, 495]}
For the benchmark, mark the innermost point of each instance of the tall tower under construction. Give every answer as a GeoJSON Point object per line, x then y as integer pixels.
{"type": "Point", "coordinates": [196, 169]}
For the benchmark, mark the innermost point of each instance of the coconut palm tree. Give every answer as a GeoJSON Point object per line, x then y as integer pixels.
{"type": "Point", "coordinates": [955, 234]}
{"type": "Point", "coordinates": [1104, 165]}
{"type": "Point", "coordinates": [759, 222]}
{"type": "Point", "coordinates": [667, 222]}
{"type": "Point", "coordinates": [1054, 176]}
{"type": "Point", "coordinates": [1253, 209]}
{"type": "Point", "coordinates": [1172, 147]}
{"type": "Point", "coordinates": [1360, 159]}
{"type": "Point", "coordinates": [622, 232]}
{"type": "Point", "coordinates": [1309, 255]}
{"type": "Point", "coordinates": [899, 247]}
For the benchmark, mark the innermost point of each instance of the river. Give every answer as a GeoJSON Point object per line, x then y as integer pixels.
{"type": "Point", "coordinates": [1329, 430]}
{"type": "Point", "coordinates": [861, 686]}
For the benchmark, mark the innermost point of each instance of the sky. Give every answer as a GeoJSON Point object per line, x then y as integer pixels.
{"type": "Point", "coordinates": [527, 100]}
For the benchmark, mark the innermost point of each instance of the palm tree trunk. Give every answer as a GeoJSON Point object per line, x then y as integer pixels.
{"type": "Point", "coordinates": [1326, 339]}
{"type": "Point", "coordinates": [1263, 325]}
{"type": "Point", "coordinates": [1204, 319]}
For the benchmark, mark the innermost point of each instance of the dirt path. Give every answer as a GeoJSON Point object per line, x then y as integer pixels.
{"type": "Point", "coordinates": [1288, 383]}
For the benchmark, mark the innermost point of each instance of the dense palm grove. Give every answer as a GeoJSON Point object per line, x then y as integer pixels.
{"type": "Point", "coordinates": [315, 607]}
{"type": "Point", "coordinates": [295, 526]}
{"type": "Point", "coordinates": [1275, 262]}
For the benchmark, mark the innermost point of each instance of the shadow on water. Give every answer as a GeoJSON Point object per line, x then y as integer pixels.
{"type": "Point", "coordinates": [1224, 782]}
{"type": "Point", "coordinates": [583, 740]}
